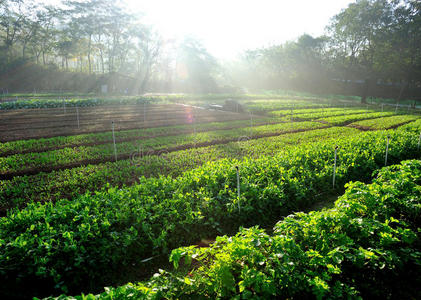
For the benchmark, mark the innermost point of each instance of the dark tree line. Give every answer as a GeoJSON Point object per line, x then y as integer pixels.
{"type": "Point", "coordinates": [370, 44]}
{"type": "Point", "coordinates": [98, 37]}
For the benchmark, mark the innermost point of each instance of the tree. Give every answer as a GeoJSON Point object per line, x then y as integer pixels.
{"type": "Point", "coordinates": [11, 16]}
{"type": "Point", "coordinates": [196, 67]}
{"type": "Point", "coordinates": [147, 45]}
{"type": "Point", "coordinates": [357, 34]}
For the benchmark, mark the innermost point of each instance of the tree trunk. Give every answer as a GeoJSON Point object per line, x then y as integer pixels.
{"type": "Point", "coordinates": [102, 62]}
{"type": "Point", "coordinates": [145, 80]}
{"type": "Point", "coordinates": [365, 91]}
{"type": "Point", "coordinates": [23, 50]}
{"type": "Point", "coordinates": [401, 91]}
{"type": "Point", "coordinates": [89, 54]}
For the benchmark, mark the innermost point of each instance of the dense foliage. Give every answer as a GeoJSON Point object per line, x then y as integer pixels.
{"type": "Point", "coordinates": [367, 246]}
{"type": "Point", "coordinates": [413, 126]}
{"type": "Point", "coordinates": [76, 243]}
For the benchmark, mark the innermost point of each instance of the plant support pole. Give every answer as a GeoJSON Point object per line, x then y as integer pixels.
{"type": "Point", "coordinates": [77, 116]}
{"type": "Point", "coordinates": [419, 141]}
{"type": "Point", "coordinates": [334, 167]}
{"type": "Point", "coordinates": [115, 148]}
{"type": "Point", "coordinates": [251, 123]}
{"type": "Point", "coordinates": [194, 122]}
{"type": "Point", "coordinates": [238, 186]}
{"type": "Point", "coordinates": [387, 150]}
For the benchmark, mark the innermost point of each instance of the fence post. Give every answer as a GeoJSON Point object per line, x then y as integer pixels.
{"type": "Point", "coordinates": [334, 166]}
{"type": "Point", "coordinates": [194, 122]}
{"type": "Point", "coordinates": [77, 116]}
{"type": "Point", "coordinates": [251, 123]}
{"type": "Point", "coordinates": [238, 187]}
{"type": "Point", "coordinates": [115, 148]}
{"type": "Point", "coordinates": [387, 150]}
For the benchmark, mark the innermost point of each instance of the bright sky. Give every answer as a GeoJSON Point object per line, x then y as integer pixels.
{"type": "Point", "coordinates": [226, 27]}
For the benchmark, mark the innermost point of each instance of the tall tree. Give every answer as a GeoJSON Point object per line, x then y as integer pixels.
{"type": "Point", "coordinates": [196, 66]}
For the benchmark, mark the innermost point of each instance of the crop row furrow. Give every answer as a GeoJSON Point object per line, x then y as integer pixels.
{"type": "Point", "coordinates": [69, 183]}
{"type": "Point", "coordinates": [31, 163]}
{"type": "Point", "coordinates": [47, 144]}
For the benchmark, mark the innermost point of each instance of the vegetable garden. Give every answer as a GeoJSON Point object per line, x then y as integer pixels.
{"type": "Point", "coordinates": [88, 203]}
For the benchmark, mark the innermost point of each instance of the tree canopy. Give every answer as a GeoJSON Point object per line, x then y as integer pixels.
{"type": "Point", "coordinates": [370, 41]}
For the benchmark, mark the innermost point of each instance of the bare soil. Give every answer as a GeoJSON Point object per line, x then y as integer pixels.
{"type": "Point", "coordinates": [18, 126]}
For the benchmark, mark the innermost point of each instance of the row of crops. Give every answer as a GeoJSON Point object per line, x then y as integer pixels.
{"type": "Point", "coordinates": [367, 245]}
{"type": "Point", "coordinates": [60, 157]}
{"type": "Point", "coordinates": [72, 102]}
{"type": "Point", "coordinates": [70, 245]}
{"type": "Point", "coordinates": [69, 183]}
{"type": "Point", "coordinates": [26, 163]}
{"type": "Point", "coordinates": [30, 101]}
{"type": "Point", "coordinates": [320, 113]}
{"type": "Point", "coordinates": [135, 155]}
{"type": "Point", "coordinates": [37, 145]}
{"type": "Point", "coordinates": [77, 220]}
{"type": "Point", "coordinates": [336, 116]}
{"type": "Point", "coordinates": [385, 123]}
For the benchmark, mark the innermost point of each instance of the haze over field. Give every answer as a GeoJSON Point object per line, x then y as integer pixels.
{"type": "Point", "coordinates": [362, 47]}
{"type": "Point", "coordinates": [229, 27]}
